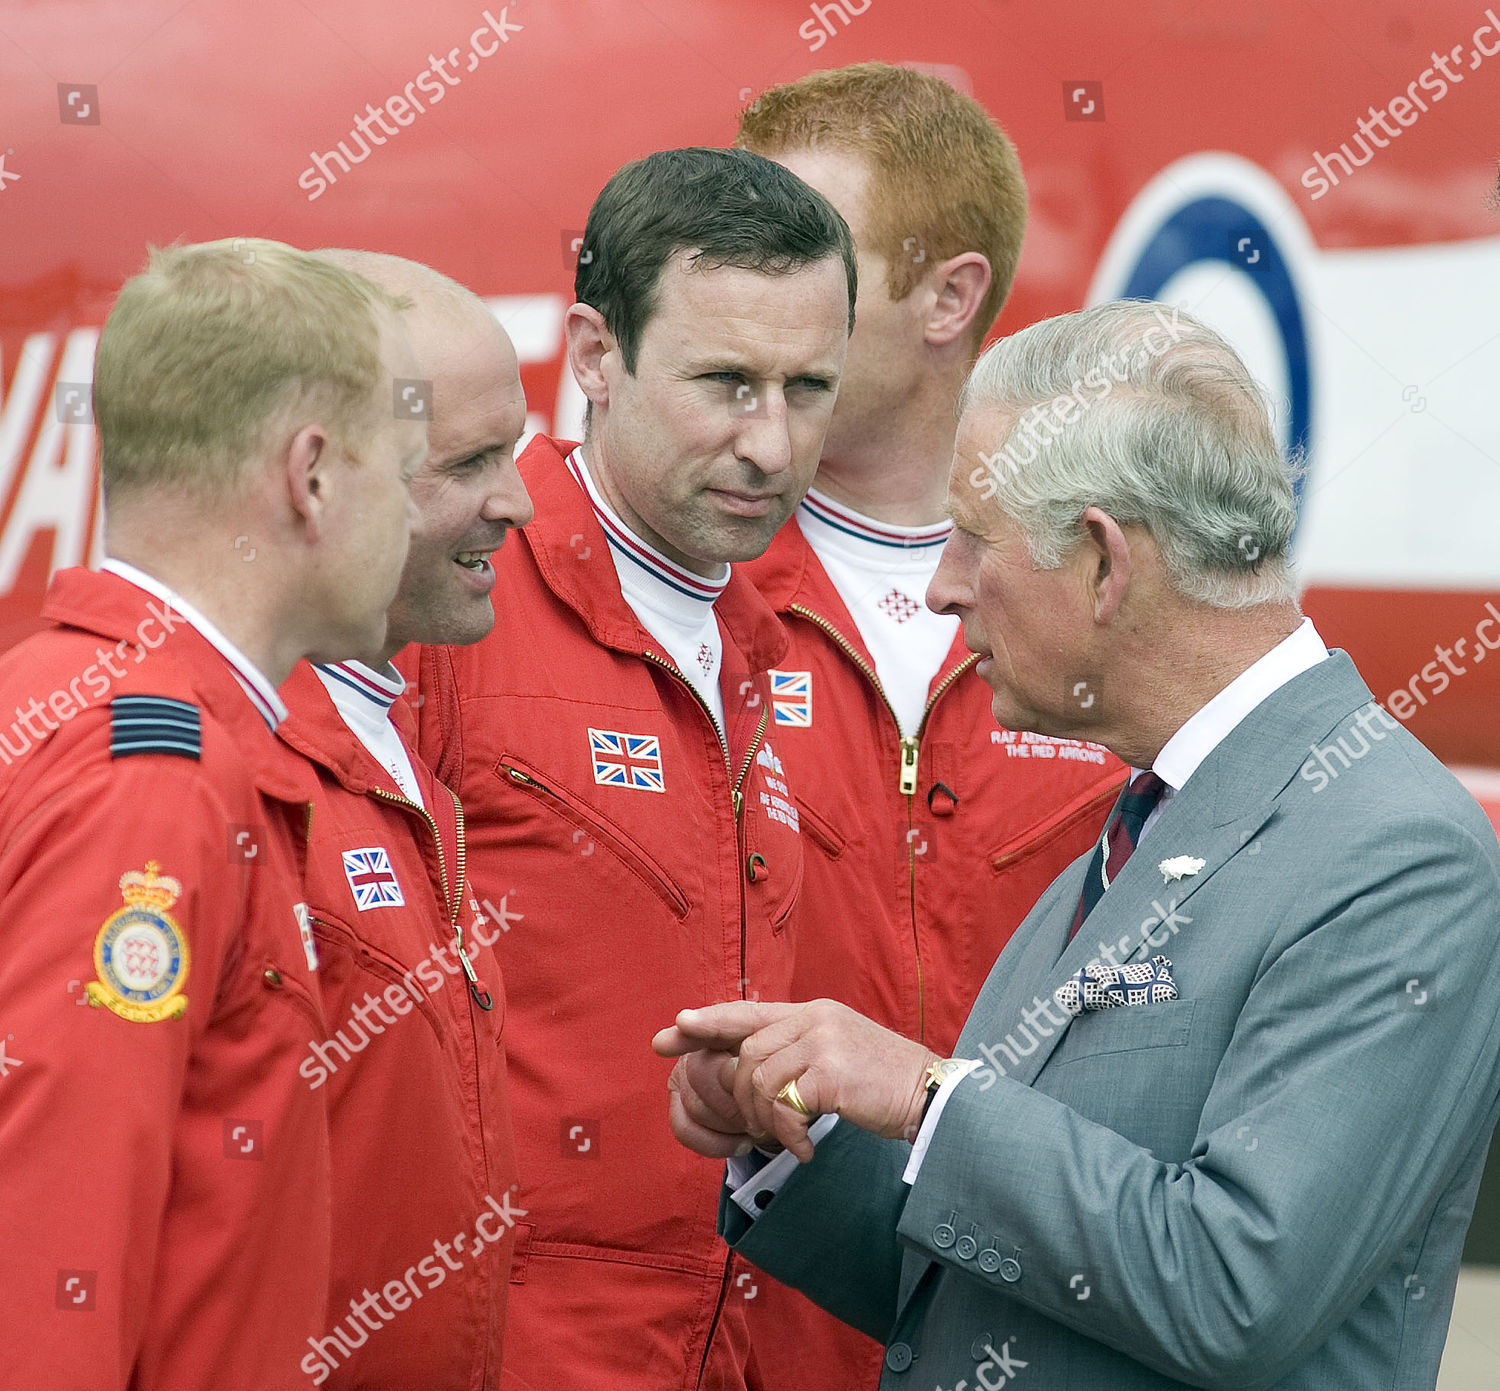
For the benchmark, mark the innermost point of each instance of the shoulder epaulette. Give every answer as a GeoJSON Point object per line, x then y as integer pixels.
{"type": "Point", "coordinates": [154, 724]}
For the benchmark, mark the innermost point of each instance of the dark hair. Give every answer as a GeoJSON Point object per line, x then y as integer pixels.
{"type": "Point", "coordinates": [728, 207]}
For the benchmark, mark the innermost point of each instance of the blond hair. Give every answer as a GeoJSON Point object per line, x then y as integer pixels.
{"type": "Point", "coordinates": [212, 344]}
{"type": "Point", "coordinates": [945, 178]}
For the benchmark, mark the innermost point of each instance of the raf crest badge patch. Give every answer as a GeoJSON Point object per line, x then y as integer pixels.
{"type": "Point", "coordinates": [140, 954]}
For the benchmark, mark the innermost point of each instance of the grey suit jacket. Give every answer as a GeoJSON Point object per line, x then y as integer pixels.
{"type": "Point", "coordinates": [1264, 1183]}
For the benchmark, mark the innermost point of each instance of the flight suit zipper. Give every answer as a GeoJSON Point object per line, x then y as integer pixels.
{"type": "Point", "coordinates": [453, 901]}
{"type": "Point", "coordinates": [452, 896]}
{"type": "Point", "coordinates": [736, 792]}
{"type": "Point", "coordinates": [737, 800]}
{"type": "Point", "coordinates": [736, 795]}
{"type": "Point", "coordinates": [910, 747]}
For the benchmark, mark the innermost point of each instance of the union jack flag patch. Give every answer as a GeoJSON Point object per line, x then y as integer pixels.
{"type": "Point", "coordinates": [627, 760]}
{"type": "Point", "coordinates": [791, 698]}
{"type": "Point", "coordinates": [371, 878]}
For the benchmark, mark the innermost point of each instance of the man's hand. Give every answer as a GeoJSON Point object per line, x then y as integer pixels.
{"type": "Point", "coordinates": [840, 1061]}
{"type": "Point", "coordinates": [702, 1110]}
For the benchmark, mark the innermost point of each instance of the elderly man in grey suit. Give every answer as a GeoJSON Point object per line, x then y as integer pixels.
{"type": "Point", "coordinates": [1219, 1114]}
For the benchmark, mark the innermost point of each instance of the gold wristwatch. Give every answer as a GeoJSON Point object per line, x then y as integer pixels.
{"type": "Point", "coordinates": [937, 1073]}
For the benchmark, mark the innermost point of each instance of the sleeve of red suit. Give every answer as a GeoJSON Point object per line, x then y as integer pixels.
{"type": "Point", "coordinates": [94, 1076]}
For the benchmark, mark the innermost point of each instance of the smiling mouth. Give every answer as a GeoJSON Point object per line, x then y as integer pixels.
{"type": "Point", "coordinates": [473, 560]}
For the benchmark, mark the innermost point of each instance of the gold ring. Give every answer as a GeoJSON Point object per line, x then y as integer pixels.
{"type": "Point", "coordinates": [793, 1098]}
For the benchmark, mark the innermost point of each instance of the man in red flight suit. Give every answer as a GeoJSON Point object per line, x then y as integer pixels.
{"type": "Point", "coordinates": [419, 1114]}
{"type": "Point", "coordinates": [932, 831]}
{"type": "Point", "coordinates": [610, 741]}
{"type": "Point", "coordinates": [166, 1186]}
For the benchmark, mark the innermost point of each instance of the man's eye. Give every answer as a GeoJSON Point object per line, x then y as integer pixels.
{"type": "Point", "coordinates": [727, 377]}
{"type": "Point", "coordinates": [475, 463]}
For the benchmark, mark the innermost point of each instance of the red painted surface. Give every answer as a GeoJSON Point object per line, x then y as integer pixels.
{"type": "Point", "coordinates": [208, 117]}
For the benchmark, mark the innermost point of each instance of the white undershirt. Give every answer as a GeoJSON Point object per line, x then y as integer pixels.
{"type": "Point", "coordinates": [881, 572]}
{"type": "Point", "coordinates": [674, 605]}
{"type": "Point", "coordinates": [364, 698]}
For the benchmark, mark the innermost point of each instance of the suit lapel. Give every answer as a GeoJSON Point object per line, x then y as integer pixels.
{"type": "Point", "coordinates": [1141, 912]}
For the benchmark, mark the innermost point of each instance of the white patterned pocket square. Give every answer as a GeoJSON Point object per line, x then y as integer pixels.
{"type": "Point", "coordinates": [1098, 986]}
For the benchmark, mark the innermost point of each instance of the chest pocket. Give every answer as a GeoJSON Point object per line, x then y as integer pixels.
{"type": "Point", "coordinates": [584, 828]}
{"type": "Point", "coordinates": [1126, 1029]}
{"type": "Point", "coordinates": [1131, 1068]}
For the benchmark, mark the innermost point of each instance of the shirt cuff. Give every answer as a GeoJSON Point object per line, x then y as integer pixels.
{"type": "Point", "coordinates": [929, 1124]}
{"type": "Point", "coordinates": [755, 1178]}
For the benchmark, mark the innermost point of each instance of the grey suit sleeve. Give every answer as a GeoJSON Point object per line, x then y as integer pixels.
{"type": "Point", "coordinates": [1344, 1102]}
{"type": "Point", "coordinates": [831, 1230]}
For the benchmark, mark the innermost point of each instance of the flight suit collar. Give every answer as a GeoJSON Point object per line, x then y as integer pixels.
{"type": "Point", "coordinates": [571, 552]}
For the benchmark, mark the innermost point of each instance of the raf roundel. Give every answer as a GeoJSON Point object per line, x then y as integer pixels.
{"type": "Point", "coordinates": [140, 954]}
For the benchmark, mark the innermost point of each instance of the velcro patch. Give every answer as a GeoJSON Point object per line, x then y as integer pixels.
{"type": "Point", "coordinates": [154, 724]}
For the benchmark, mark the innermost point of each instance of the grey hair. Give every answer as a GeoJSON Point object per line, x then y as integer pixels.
{"type": "Point", "coordinates": [1175, 438]}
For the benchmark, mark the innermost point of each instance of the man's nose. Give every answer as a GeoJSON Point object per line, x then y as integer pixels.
{"type": "Point", "coordinates": [509, 501]}
{"type": "Point", "coordinates": [950, 591]}
{"type": "Point", "coordinates": [763, 434]}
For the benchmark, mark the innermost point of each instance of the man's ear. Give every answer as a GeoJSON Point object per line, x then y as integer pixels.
{"type": "Point", "coordinates": [589, 342]}
{"type": "Point", "coordinates": [961, 283]}
{"type": "Point", "coordinates": [1105, 552]}
{"type": "Point", "coordinates": [307, 463]}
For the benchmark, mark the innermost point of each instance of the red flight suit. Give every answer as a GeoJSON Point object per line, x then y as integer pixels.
{"type": "Point", "coordinates": [652, 873]}
{"type": "Point", "coordinates": [165, 1196]}
{"type": "Point", "coordinates": [419, 1112]}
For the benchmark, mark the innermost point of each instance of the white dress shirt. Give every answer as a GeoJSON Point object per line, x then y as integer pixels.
{"type": "Point", "coordinates": [1202, 733]}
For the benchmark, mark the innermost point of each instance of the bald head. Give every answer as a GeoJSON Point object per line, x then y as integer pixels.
{"type": "Point", "coordinates": [440, 305]}
{"type": "Point", "coordinates": [468, 494]}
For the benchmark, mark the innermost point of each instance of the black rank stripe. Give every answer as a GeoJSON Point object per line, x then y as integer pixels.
{"type": "Point", "coordinates": [154, 724]}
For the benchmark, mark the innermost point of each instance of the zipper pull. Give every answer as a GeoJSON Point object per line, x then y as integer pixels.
{"type": "Point", "coordinates": [739, 802]}
{"type": "Point", "coordinates": [908, 778]}
{"type": "Point", "coordinates": [482, 997]}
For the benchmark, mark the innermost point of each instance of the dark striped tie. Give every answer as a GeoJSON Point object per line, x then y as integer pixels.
{"type": "Point", "coordinates": [1124, 831]}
